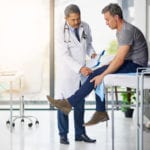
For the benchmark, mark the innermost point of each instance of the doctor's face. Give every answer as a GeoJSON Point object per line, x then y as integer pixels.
{"type": "Point", "coordinates": [73, 20]}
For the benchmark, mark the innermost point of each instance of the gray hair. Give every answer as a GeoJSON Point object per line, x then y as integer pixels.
{"type": "Point", "coordinates": [71, 9]}
{"type": "Point", "coordinates": [114, 9]}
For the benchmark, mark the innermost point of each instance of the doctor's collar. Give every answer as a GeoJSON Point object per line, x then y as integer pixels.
{"type": "Point", "coordinates": [71, 28]}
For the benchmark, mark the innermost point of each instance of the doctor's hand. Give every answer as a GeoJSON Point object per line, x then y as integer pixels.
{"type": "Point", "coordinates": [85, 71]}
{"type": "Point", "coordinates": [93, 55]}
{"type": "Point", "coordinates": [97, 80]}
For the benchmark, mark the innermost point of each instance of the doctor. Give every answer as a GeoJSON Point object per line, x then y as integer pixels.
{"type": "Point", "coordinates": [73, 43]}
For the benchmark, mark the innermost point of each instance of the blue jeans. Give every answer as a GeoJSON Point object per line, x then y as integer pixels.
{"type": "Point", "coordinates": [87, 87]}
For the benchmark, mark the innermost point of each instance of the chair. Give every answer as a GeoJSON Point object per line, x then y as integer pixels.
{"type": "Point", "coordinates": [31, 85]}
{"type": "Point", "coordinates": [138, 81]}
{"type": "Point", "coordinates": [11, 78]}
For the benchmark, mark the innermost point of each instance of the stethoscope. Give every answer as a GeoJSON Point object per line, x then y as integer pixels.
{"type": "Point", "coordinates": [67, 33]}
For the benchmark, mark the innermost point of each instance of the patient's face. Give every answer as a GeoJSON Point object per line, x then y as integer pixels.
{"type": "Point", "coordinates": [111, 21]}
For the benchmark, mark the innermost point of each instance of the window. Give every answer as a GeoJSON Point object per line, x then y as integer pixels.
{"type": "Point", "coordinates": [24, 44]}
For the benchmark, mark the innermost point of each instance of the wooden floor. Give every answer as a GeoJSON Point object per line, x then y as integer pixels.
{"type": "Point", "coordinates": [45, 136]}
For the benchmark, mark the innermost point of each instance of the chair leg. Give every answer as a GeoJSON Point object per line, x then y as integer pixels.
{"type": "Point", "coordinates": [23, 117]}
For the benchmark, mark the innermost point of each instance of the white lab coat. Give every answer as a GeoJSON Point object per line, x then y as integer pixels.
{"type": "Point", "coordinates": [70, 57]}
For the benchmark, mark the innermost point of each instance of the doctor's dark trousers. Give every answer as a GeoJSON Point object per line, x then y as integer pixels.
{"type": "Point", "coordinates": [87, 87]}
{"type": "Point", "coordinates": [63, 121]}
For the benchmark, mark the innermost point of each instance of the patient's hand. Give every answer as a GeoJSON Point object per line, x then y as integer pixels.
{"type": "Point", "coordinates": [97, 80]}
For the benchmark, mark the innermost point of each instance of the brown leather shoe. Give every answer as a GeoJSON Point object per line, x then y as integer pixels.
{"type": "Point", "coordinates": [63, 105]}
{"type": "Point", "coordinates": [97, 117]}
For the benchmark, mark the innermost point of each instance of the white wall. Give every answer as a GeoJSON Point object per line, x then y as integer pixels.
{"type": "Point", "coordinates": [140, 14]}
{"type": "Point", "coordinates": [148, 25]}
{"type": "Point", "coordinates": [24, 36]}
{"type": "Point", "coordinates": [142, 21]}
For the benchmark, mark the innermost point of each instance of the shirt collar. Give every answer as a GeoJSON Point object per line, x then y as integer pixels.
{"type": "Point", "coordinates": [71, 28]}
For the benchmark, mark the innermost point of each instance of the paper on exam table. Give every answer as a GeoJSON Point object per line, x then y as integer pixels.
{"type": "Point", "coordinates": [94, 62]}
{"type": "Point", "coordinates": [104, 60]}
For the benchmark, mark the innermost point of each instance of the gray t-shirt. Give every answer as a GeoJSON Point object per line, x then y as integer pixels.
{"type": "Point", "coordinates": [131, 35]}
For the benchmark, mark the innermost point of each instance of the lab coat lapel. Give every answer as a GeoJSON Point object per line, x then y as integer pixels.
{"type": "Point", "coordinates": [80, 33]}
{"type": "Point", "coordinates": [74, 38]}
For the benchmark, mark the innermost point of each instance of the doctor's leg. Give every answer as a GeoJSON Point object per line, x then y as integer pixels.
{"type": "Point", "coordinates": [79, 119]}
{"type": "Point", "coordinates": [63, 126]}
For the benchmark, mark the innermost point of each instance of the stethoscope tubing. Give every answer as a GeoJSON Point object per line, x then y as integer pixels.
{"type": "Point", "coordinates": [67, 34]}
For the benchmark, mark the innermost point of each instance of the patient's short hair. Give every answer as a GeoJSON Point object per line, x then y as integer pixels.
{"type": "Point", "coordinates": [114, 9]}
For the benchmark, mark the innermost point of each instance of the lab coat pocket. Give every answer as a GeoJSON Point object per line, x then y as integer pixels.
{"type": "Point", "coordinates": [72, 45]}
